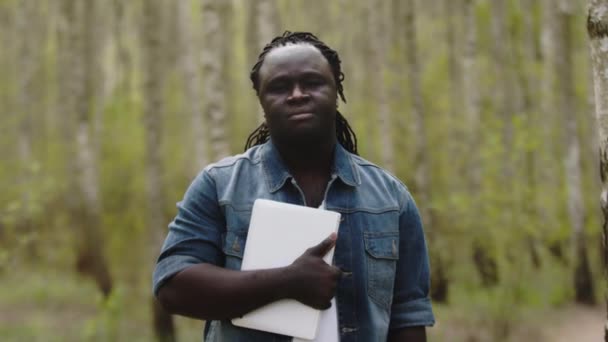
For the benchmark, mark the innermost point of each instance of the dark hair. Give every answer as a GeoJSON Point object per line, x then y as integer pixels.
{"type": "Point", "coordinates": [344, 133]}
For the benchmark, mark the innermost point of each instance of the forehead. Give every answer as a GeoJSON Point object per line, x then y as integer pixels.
{"type": "Point", "coordinates": [293, 58]}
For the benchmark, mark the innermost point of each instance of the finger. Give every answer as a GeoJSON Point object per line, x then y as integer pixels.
{"type": "Point", "coordinates": [338, 272]}
{"type": "Point", "coordinates": [326, 306]}
{"type": "Point", "coordinates": [324, 246]}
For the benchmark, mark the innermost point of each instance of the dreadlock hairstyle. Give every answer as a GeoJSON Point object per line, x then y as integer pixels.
{"type": "Point", "coordinates": [344, 133]}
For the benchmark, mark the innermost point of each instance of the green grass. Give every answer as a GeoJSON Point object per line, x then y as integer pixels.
{"type": "Point", "coordinates": [44, 304]}
{"type": "Point", "coordinates": [55, 305]}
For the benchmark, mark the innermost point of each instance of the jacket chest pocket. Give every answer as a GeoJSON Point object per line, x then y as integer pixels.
{"type": "Point", "coordinates": [235, 236]}
{"type": "Point", "coordinates": [382, 253]}
{"type": "Point", "coordinates": [233, 248]}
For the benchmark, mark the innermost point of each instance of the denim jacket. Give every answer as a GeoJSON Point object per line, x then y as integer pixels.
{"type": "Point", "coordinates": [380, 247]}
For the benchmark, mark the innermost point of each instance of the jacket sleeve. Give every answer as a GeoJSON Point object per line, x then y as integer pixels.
{"type": "Point", "coordinates": [195, 234]}
{"type": "Point", "coordinates": [411, 303]}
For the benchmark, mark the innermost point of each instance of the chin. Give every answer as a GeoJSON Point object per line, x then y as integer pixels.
{"type": "Point", "coordinates": [306, 139]}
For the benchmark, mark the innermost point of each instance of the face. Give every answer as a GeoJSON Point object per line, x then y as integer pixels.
{"type": "Point", "coordinates": [298, 93]}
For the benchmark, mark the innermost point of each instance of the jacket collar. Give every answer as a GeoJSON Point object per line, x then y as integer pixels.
{"type": "Point", "coordinates": [276, 172]}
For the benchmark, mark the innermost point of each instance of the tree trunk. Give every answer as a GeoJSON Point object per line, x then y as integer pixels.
{"type": "Point", "coordinates": [471, 101]}
{"type": "Point", "coordinates": [452, 10]}
{"type": "Point", "coordinates": [548, 178]}
{"type": "Point", "coordinates": [483, 260]}
{"type": "Point", "coordinates": [263, 24]}
{"type": "Point", "coordinates": [378, 50]}
{"type": "Point", "coordinates": [120, 32]}
{"type": "Point", "coordinates": [583, 284]}
{"type": "Point", "coordinates": [422, 188]}
{"type": "Point", "coordinates": [26, 59]}
{"type": "Point", "coordinates": [154, 74]}
{"type": "Point", "coordinates": [267, 22]}
{"type": "Point", "coordinates": [190, 68]}
{"type": "Point", "coordinates": [597, 28]}
{"type": "Point", "coordinates": [528, 83]}
{"type": "Point", "coordinates": [82, 197]}
{"type": "Point", "coordinates": [214, 87]}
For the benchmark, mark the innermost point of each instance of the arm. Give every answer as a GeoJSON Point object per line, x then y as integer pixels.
{"type": "Point", "coordinates": [411, 305]}
{"type": "Point", "coordinates": [410, 334]}
{"type": "Point", "coordinates": [207, 291]}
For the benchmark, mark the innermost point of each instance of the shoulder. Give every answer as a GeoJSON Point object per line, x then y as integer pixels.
{"type": "Point", "coordinates": [251, 157]}
{"type": "Point", "coordinates": [370, 171]}
{"type": "Point", "coordinates": [373, 176]}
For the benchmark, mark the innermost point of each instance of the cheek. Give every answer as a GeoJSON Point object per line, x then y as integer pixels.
{"type": "Point", "coordinates": [269, 102]}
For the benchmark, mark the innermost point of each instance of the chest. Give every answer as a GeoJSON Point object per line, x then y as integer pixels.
{"type": "Point", "coordinates": [313, 189]}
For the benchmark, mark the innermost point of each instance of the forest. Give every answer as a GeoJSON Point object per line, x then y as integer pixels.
{"type": "Point", "coordinates": [485, 109]}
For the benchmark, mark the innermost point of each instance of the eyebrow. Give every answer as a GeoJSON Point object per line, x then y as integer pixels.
{"type": "Point", "coordinates": [284, 76]}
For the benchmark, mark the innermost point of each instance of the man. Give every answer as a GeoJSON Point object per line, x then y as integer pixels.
{"type": "Point", "coordinates": [304, 153]}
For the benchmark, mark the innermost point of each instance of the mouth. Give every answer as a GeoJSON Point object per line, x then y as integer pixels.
{"type": "Point", "coordinates": [300, 116]}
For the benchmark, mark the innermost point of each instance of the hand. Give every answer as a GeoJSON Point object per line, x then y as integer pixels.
{"type": "Point", "coordinates": [313, 281]}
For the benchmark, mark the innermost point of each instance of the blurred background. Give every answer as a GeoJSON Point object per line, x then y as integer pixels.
{"type": "Point", "coordinates": [484, 108]}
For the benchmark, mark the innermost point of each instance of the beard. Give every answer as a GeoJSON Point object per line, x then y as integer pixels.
{"type": "Point", "coordinates": [304, 138]}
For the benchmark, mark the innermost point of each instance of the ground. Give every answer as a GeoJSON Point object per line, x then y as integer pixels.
{"type": "Point", "coordinates": [564, 324]}
{"type": "Point", "coordinates": [577, 323]}
{"type": "Point", "coordinates": [38, 305]}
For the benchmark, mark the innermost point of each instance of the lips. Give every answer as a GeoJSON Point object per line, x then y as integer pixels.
{"type": "Point", "coordinates": [300, 116]}
{"type": "Point", "coordinates": [301, 111]}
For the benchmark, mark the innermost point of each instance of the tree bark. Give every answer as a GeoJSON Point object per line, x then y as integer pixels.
{"type": "Point", "coordinates": [79, 105]}
{"type": "Point", "coordinates": [471, 99]}
{"type": "Point", "coordinates": [597, 28]}
{"type": "Point", "coordinates": [548, 178]}
{"type": "Point", "coordinates": [26, 60]}
{"type": "Point", "coordinates": [267, 27]}
{"type": "Point", "coordinates": [154, 75]}
{"type": "Point", "coordinates": [263, 24]}
{"type": "Point", "coordinates": [452, 11]}
{"type": "Point", "coordinates": [422, 186]}
{"type": "Point", "coordinates": [121, 31]}
{"type": "Point", "coordinates": [583, 284]}
{"type": "Point", "coordinates": [378, 48]}
{"type": "Point", "coordinates": [190, 68]}
{"type": "Point", "coordinates": [214, 87]}
{"type": "Point", "coordinates": [528, 83]}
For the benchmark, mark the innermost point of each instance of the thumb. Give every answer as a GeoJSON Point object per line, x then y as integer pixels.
{"type": "Point", "coordinates": [324, 246]}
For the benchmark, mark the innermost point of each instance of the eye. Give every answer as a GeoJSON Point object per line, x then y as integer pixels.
{"type": "Point", "coordinates": [314, 82]}
{"type": "Point", "coordinates": [277, 87]}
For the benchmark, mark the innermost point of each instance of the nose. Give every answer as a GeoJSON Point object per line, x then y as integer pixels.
{"type": "Point", "coordinates": [297, 94]}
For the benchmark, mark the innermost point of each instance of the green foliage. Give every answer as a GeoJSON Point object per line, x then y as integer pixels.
{"type": "Point", "coordinates": [521, 200]}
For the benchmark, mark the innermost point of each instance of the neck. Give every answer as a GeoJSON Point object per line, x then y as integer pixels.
{"type": "Point", "coordinates": [308, 158]}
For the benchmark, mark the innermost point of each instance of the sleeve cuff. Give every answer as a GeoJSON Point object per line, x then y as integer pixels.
{"type": "Point", "coordinates": [413, 313]}
{"type": "Point", "coordinates": [168, 267]}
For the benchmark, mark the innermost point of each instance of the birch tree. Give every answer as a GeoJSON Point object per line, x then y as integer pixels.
{"type": "Point", "coordinates": [267, 26]}
{"type": "Point", "coordinates": [483, 260]}
{"type": "Point", "coordinates": [471, 98]}
{"type": "Point", "coordinates": [190, 69]}
{"type": "Point", "coordinates": [378, 50]}
{"type": "Point", "coordinates": [547, 177]}
{"type": "Point", "coordinates": [214, 87]}
{"type": "Point", "coordinates": [82, 196]}
{"type": "Point", "coordinates": [597, 28]}
{"type": "Point", "coordinates": [528, 82]}
{"type": "Point", "coordinates": [121, 33]}
{"type": "Point", "coordinates": [452, 10]}
{"type": "Point", "coordinates": [583, 285]}
{"type": "Point", "coordinates": [440, 282]}
{"type": "Point", "coordinates": [27, 61]}
{"type": "Point", "coordinates": [263, 24]}
{"type": "Point", "coordinates": [154, 75]}
{"type": "Point", "coordinates": [503, 90]}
